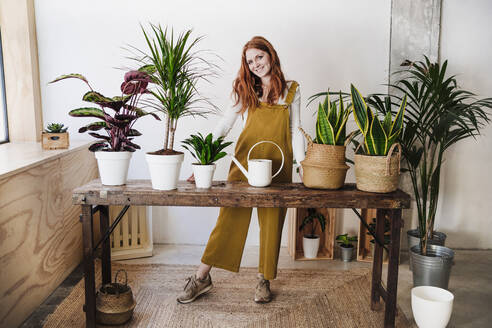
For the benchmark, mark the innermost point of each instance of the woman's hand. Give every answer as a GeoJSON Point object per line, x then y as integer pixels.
{"type": "Point", "coordinates": [191, 178]}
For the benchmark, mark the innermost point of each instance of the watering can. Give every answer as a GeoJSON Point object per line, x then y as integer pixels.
{"type": "Point", "coordinates": [260, 170]}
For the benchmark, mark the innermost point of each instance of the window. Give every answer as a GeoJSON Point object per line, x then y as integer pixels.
{"type": "Point", "coordinates": [4, 132]}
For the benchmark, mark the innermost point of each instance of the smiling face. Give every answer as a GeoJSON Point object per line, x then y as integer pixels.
{"type": "Point", "coordinates": [258, 62]}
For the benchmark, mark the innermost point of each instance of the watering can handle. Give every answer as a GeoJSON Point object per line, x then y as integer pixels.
{"type": "Point", "coordinates": [281, 152]}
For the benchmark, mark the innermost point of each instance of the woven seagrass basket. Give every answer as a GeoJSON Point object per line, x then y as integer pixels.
{"type": "Point", "coordinates": [378, 173]}
{"type": "Point", "coordinates": [114, 302]}
{"type": "Point", "coordinates": [324, 166]}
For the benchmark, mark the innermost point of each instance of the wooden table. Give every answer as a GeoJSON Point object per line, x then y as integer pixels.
{"type": "Point", "coordinates": [94, 197]}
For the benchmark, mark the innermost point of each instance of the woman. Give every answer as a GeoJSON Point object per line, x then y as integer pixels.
{"type": "Point", "coordinates": [270, 109]}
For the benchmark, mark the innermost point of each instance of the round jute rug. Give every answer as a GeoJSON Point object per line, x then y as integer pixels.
{"type": "Point", "coordinates": [302, 298]}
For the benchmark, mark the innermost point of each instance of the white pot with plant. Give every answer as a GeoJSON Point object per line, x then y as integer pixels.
{"type": "Point", "coordinates": [346, 246]}
{"type": "Point", "coordinates": [175, 68]}
{"type": "Point", "coordinates": [116, 115]}
{"type": "Point", "coordinates": [310, 241]}
{"type": "Point", "coordinates": [206, 151]}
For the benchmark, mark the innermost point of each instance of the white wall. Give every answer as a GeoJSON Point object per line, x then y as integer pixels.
{"type": "Point", "coordinates": [466, 207]}
{"type": "Point", "coordinates": [321, 44]}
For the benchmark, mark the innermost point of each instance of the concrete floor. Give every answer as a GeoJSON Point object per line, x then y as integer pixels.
{"type": "Point", "coordinates": [471, 280]}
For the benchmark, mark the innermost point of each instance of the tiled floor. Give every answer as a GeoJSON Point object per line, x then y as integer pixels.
{"type": "Point", "coordinates": [471, 281]}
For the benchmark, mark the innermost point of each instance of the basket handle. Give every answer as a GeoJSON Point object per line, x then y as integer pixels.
{"type": "Point", "coordinates": [310, 141]}
{"type": "Point", "coordinates": [116, 276]}
{"type": "Point", "coordinates": [388, 157]}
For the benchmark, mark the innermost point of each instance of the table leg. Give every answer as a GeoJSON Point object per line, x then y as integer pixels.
{"type": "Point", "coordinates": [106, 245]}
{"type": "Point", "coordinates": [89, 281]}
{"type": "Point", "coordinates": [394, 259]}
{"type": "Point", "coordinates": [377, 262]}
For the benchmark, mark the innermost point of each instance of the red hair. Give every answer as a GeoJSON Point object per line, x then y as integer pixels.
{"type": "Point", "coordinates": [247, 89]}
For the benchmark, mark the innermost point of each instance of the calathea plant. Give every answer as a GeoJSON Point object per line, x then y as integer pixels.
{"type": "Point", "coordinates": [205, 150]}
{"type": "Point", "coordinates": [331, 122]}
{"type": "Point", "coordinates": [116, 115]}
{"type": "Point", "coordinates": [379, 136]}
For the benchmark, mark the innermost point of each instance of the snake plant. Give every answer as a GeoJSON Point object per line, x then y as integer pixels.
{"type": "Point", "coordinates": [331, 122]}
{"type": "Point", "coordinates": [378, 136]}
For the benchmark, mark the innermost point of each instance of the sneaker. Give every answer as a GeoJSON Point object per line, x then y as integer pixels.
{"type": "Point", "coordinates": [262, 292]}
{"type": "Point", "coordinates": [194, 288]}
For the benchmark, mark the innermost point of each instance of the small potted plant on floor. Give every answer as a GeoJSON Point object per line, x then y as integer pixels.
{"type": "Point", "coordinates": [310, 241]}
{"type": "Point", "coordinates": [55, 136]}
{"type": "Point", "coordinates": [324, 166]}
{"type": "Point", "coordinates": [377, 168]}
{"type": "Point", "coordinates": [116, 115]}
{"type": "Point", "coordinates": [345, 242]}
{"type": "Point", "coordinates": [206, 151]}
{"type": "Point", "coordinates": [175, 67]}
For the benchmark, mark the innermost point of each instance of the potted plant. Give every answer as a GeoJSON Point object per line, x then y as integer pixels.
{"type": "Point", "coordinates": [175, 68]}
{"type": "Point", "coordinates": [55, 136]}
{"type": "Point", "coordinates": [377, 169]}
{"type": "Point", "coordinates": [206, 151]}
{"type": "Point", "coordinates": [116, 115]}
{"type": "Point", "coordinates": [310, 241]}
{"type": "Point", "coordinates": [324, 166]}
{"type": "Point", "coordinates": [345, 242]}
{"type": "Point", "coordinates": [439, 115]}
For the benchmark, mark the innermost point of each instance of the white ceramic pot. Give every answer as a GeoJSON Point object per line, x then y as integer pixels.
{"type": "Point", "coordinates": [164, 170]}
{"type": "Point", "coordinates": [431, 306]}
{"type": "Point", "coordinates": [204, 175]}
{"type": "Point", "coordinates": [113, 166]}
{"type": "Point", "coordinates": [310, 247]}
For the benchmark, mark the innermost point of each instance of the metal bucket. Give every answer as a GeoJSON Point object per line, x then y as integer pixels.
{"type": "Point", "coordinates": [413, 239]}
{"type": "Point", "coordinates": [347, 253]}
{"type": "Point", "coordinates": [434, 268]}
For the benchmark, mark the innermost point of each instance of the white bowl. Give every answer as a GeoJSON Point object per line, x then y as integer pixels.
{"type": "Point", "coordinates": [431, 306]}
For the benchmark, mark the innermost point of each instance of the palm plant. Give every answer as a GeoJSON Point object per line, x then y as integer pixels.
{"type": "Point", "coordinates": [205, 150]}
{"type": "Point", "coordinates": [311, 219]}
{"type": "Point", "coordinates": [378, 136]}
{"type": "Point", "coordinates": [331, 122]}
{"type": "Point", "coordinates": [175, 68]}
{"type": "Point", "coordinates": [439, 115]}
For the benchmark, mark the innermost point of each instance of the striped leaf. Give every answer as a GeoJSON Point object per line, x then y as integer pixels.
{"type": "Point", "coordinates": [398, 122]}
{"type": "Point", "coordinates": [325, 129]}
{"type": "Point", "coordinates": [70, 76]}
{"type": "Point", "coordinates": [87, 112]}
{"type": "Point", "coordinates": [95, 126]}
{"type": "Point", "coordinates": [360, 110]}
{"type": "Point", "coordinates": [378, 138]}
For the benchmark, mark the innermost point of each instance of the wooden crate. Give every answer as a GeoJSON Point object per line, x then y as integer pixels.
{"type": "Point", "coordinates": [132, 237]}
{"type": "Point", "coordinates": [364, 246]}
{"type": "Point", "coordinates": [327, 238]}
{"type": "Point", "coordinates": [54, 140]}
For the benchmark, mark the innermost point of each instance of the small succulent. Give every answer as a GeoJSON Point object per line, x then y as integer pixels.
{"type": "Point", "coordinates": [205, 150]}
{"type": "Point", "coordinates": [311, 218]}
{"type": "Point", "coordinates": [55, 128]}
{"type": "Point", "coordinates": [345, 240]}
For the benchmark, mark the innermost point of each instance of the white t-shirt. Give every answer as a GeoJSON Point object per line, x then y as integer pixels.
{"type": "Point", "coordinates": [231, 114]}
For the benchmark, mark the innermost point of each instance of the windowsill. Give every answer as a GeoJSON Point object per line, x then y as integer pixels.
{"type": "Point", "coordinates": [16, 157]}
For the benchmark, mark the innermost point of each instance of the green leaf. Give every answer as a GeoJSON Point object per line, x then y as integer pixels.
{"type": "Point", "coordinates": [360, 110]}
{"type": "Point", "coordinates": [87, 112]}
{"type": "Point", "coordinates": [96, 97]}
{"type": "Point", "coordinates": [387, 123]}
{"type": "Point", "coordinates": [95, 126]}
{"type": "Point", "coordinates": [398, 122]}
{"type": "Point", "coordinates": [378, 137]}
{"type": "Point", "coordinates": [70, 76]}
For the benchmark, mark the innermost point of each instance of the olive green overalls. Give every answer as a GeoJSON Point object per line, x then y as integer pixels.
{"type": "Point", "coordinates": [226, 243]}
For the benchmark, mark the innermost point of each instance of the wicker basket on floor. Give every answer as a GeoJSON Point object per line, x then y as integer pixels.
{"type": "Point", "coordinates": [114, 302]}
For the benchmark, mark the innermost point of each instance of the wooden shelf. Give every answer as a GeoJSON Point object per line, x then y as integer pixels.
{"type": "Point", "coordinates": [327, 238]}
{"type": "Point", "coordinates": [364, 245]}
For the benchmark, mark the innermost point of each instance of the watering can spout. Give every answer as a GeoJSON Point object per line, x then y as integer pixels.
{"type": "Point", "coordinates": [234, 159]}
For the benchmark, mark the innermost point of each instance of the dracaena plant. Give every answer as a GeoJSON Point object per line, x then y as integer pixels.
{"type": "Point", "coordinates": [175, 67]}
{"type": "Point", "coordinates": [55, 128]}
{"type": "Point", "coordinates": [331, 121]}
{"type": "Point", "coordinates": [379, 136]}
{"type": "Point", "coordinates": [116, 115]}
{"type": "Point", "coordinates": [439, 115]}
{"type": "Point", "coordinates": [311, 219]}
{"type": "Point", "coordinates": [205, 150]}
